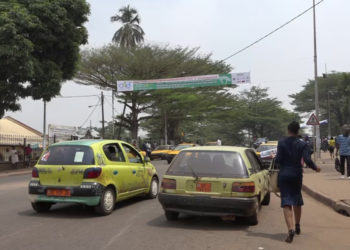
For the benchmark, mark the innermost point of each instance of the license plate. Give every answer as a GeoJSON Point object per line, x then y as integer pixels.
{"type": "Point", "coordinates": [58, 192]}
{"type": "Point", "coordinates": [203, 187]}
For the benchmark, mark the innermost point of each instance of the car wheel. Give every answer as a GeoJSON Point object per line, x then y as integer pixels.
{"type": "Point", "coordinates": [253, 220]}
{"type": "Point", "coordinates": [107, 202]}
{"type": "Point", "coordinates": [154, 188]}
{"type": "Point", "coordinates": [170, 215]}
{"type": "Point", "coordinates": [41, 207]}
{"type": "Point", "coordinates": [266, 200]}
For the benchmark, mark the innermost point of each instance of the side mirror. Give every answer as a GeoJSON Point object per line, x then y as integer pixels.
{"type": "Point", "coordinates": [147, 159]}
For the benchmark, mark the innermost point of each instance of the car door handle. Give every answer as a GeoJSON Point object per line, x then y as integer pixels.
{"type": "Point", "coordinates": [134, 171]}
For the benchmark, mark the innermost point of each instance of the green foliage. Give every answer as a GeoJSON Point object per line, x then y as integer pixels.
{"type": "Point", "coordinates": [102, 67]}
{"type": "Point", "coordinates": [334, 92]}
{"type": "Point", "coordinates": [39, 47]}
{"type": "Point", "coordinates": [131, 33]}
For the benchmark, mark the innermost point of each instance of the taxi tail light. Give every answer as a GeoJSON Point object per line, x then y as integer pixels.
{"type": "Point", "coordinates": [243, 187]}
{"type": "Point", "coordinates": [92, 173]}
{"type": "Point", "coordinates": [35, 173]}
{"type": "Point", "coordinates": [169, 183]}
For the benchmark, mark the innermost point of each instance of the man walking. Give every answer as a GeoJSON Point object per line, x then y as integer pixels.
{"type": "Point", "coordinates": [343, 148]}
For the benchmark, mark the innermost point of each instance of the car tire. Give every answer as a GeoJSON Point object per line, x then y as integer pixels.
{"type": "Point", "coordinates": [266, 200]}
{"type": "Point", "coordinates": [41, 207]}
{"type": "Point", "coordinates": [107, 202]}
{"type": "Point", "coordinates": [170, 215]}
{"type": "Point", "coordinates": [154, 188]}
{"type": "Point", "coordinates": [253, 220]}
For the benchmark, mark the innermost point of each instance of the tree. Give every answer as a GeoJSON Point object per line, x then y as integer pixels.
{"type": "Point", "coordinates": [263, 116]}
{"type": "Point", "coordinates": [39, 47]}
{"type": "Point", "coordinates": [334, 96]}
{"type": "Point", "coordinates": [101, 67]}
{"type": "Point", "coordinates": [131, 33]}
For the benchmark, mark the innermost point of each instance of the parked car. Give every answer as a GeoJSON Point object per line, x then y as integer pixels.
{"type": "Point", "coordinates": [161, 151]}
{"type": "Point", "coordinates": [174, 152]}
{"type": "Point", "coordinates": [215, 181]}
{"type": "Point", "coordinates": [95, 173]}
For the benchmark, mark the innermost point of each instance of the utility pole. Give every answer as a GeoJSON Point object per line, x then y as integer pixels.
{"type": "Point", "coordinates": [103, 115]}
{"type": "Point", "coordinates": [113, 127]}
{"type": "Point", "coordinates": [165, 129]}
{"type": "Point", "coordinates": [44, 127]}
{"type": "Point", "coordinates": [317, 127]}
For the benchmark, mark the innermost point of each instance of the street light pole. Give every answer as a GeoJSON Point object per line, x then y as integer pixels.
{"type": "Point", "coordinates": [103, 115]}
{"type": "Point", "coordinates": [317, 127]}
{"type": "Point", "coordinates": [44, 127]}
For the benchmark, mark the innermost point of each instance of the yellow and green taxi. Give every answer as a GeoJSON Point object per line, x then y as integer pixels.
{"type": "Point", "coordinates": [95, 173]}
{"type": "Point", "coordinates": [215, 181]}
{"type": "Point", "coordinates": [160, 152]}
{"type": "Point", "coordinates": [172, 153]}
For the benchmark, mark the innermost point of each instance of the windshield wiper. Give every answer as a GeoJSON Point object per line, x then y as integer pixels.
{"type": "Point", "coordinates": [193, 173]}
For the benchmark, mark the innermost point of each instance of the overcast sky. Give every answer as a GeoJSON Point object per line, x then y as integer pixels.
{"type": "Point", "coordinates": [282, 62]}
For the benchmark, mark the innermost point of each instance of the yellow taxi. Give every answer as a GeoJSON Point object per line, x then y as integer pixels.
{"type": "Point", "coordinates": [95, 173]}
{"type": "Point", "coordinates": [266, 146]}
{"type": "Point", "coordinates": [160, 152]}
{"type": "Point", "coordinates": [172, 153]}
{"type": "Point", "coordinates": [215, 181]}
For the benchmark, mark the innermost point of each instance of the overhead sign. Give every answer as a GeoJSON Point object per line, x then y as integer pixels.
{"type": "Point", "coordinates": [184, 82]}
{"type": "Point", "coordinates": [313, 120]}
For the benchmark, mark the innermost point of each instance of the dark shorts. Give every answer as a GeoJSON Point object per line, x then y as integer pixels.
{"type": "Point", "coordinates": [331, 149]}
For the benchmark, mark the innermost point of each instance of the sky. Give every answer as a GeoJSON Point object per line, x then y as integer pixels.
{"type": "Point", "coordinates": [283, 62]}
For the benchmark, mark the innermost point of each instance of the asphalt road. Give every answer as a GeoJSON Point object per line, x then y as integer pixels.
{"type": "Point", "coordinates": [140, 224]}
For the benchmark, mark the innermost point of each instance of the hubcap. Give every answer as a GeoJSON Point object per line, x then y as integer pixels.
{"type": "Point", "coordinates": [108, 200]}
{"type": "Point", "coordinates": [154, 187]}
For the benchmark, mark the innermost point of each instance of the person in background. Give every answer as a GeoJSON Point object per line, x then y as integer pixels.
{"type": "Point", "coordinates": [7, 155]}
{"type": "Point", "coordinates": [28, 155]}
{"type": "Point", "coordinates": [343, 149]}
{"type": "Point", "coordinates": [218, 142]}
{"type": "Point", "coordinates": [14, 157]}
{"type": "Point", "coordinates": [331, 147]}
{"type": "Point", "coordinates": [290, 150]}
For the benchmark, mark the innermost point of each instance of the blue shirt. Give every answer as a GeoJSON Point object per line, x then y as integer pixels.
{"type": "Point", "coordinates": [344, 145]}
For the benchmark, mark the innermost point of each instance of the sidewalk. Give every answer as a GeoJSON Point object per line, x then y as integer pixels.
{"type": "Point", "coordinates": [327, 187]}
{"type": "Point", "coordinates": [13, 172]}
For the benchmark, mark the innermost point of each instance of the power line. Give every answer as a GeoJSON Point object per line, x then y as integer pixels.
{"type": "Point", "coordinates": [95, 106]}
{"type": "Point", "coordinates": [76, 96]}
{"type": "Point", "coordinates": [275, 30]}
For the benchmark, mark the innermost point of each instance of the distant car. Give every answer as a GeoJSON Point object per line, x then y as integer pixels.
{"type": "Point", "coordinates": [215, 181]}
{"type": "Point", "coordinates": [161, 151]}
{"type": "Point", "coordinates": [174, 152]}
{"type": "Point", "coordinates": [259, 141]}
{"type": "Point", "coordinates": [211, 143]}
{"type": "Point", "coordinates": [95, 173]}
{"type": "Point", "coordinates": [266, 152]}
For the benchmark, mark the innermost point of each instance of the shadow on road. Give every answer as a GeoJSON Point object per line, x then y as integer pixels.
{"type": "Point", "coordinates": [77, 211]}
{"type": "Point", "coordinates": [199, 223]}
{"type": "Point", "coordinates": [278, 236]}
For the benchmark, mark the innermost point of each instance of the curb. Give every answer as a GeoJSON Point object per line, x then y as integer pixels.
{"type": "Point", "coordinates": [338, 205]}
{"type": "Point", "coordinates": [23, 172]}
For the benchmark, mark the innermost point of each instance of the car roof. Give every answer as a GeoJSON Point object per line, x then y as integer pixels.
{"type": "Point", "coordinates": [217, 148]}
{"type": "Point", "coordinates": [84, 142]}
{"type": "Point", "coordinates": [270, 143]}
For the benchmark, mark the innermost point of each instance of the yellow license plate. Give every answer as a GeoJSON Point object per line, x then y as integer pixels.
{"type": "Point", "coordinates": [203, 187]}
{"type": "Point", "coordinates": [58, 192]}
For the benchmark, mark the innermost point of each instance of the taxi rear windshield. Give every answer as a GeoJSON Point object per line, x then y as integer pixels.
{"type": "Point", "coordinates": [68, 155]}
{"type": "Point", "coordinates": [208, 164]}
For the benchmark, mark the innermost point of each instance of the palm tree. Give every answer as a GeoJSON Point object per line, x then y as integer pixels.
{"type": "Point", "coordinates": [131, 33]}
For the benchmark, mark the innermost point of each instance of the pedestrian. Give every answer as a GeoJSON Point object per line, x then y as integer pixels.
{"type": "Point", "coordinates": [331, 147]}
{"type": "Point", "coordinates": [218, 142]}
{"type": "Point", "coordinates": [343, 149]}
{"type": "Point", "coordinates": [7, 155]}
{"type": "Point", "coordinates": [14, 157]}
{"type": "Point", "coordinates": [28, 155]}
{"type": "Point", "coordinates": [290, 150]}
{"type": "Point", "coordinates": [324, 145]}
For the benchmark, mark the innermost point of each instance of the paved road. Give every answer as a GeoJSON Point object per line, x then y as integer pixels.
{"type": "Point", "coordinates": [140, 224]}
